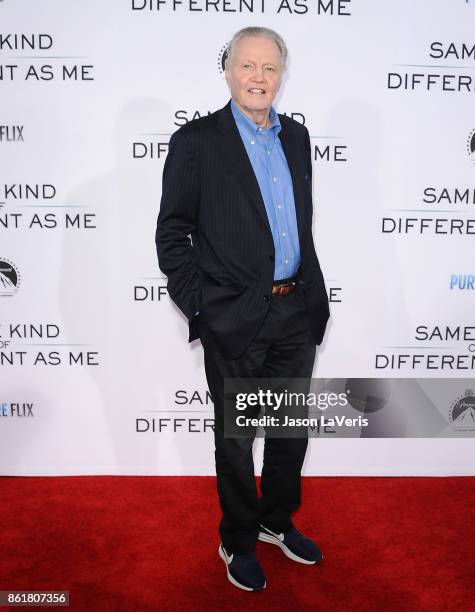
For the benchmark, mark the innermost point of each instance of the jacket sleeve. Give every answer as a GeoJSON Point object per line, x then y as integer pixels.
{"type": "Point", "coordinates": [308, 155]}
{"type": "Point", "coordinates": [177, 219]}
{"type": "Point", "coordinates": [308, 167]}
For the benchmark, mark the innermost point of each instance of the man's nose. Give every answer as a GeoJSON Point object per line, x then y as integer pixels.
{"type": "Point", "coordinates": [258, 74]}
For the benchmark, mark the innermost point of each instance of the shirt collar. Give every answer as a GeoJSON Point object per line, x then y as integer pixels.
{"type": "Point", "coordinates": [248, 127]}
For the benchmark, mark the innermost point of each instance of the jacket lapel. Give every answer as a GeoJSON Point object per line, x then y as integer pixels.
{"type": "Point", "coordinates": [235, 155]}
{"type": "Point", "coordinates": [293, 155]}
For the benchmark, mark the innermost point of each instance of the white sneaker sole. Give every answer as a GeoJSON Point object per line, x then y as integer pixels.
{"type": "Point", "coordinates": [270, 539]}
{"type": "Point", "coordinates": [230, 578]}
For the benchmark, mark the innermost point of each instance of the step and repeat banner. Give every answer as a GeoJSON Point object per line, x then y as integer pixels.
{"type": "Point", "coordinates": [96, 375]}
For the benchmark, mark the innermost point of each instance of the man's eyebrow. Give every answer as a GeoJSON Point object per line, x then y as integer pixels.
{"type": "Point", "coordinates": [253, 62]}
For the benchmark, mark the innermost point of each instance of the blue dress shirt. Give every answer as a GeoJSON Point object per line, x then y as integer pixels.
{"type": "Point", "coordinates": [270, 166]}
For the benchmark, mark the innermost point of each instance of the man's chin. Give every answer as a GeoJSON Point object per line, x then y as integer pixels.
{"type": "Point", "coordinates": [257, 106]}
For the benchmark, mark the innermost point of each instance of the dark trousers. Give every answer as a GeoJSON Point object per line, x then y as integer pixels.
{"type": "Point", "coordinates": [283, 348]}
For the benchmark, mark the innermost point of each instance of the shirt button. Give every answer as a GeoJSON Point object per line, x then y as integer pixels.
{"type": "Point", "coordinates": [286, 261]}
{"type": "Point", "coordinates": [268, 152]}
{"type": "Point", "coordinates": [252, 142]}
{"type": "Point", "coordinates": [283, 233]}
{"type": "Point", "coordinates": [274, 179]}
{"type": "Point", "coordinates": [279, 206]}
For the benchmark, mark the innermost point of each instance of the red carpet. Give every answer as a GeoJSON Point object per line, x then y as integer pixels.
{"type": "Point", "coordinates": [150, 543]}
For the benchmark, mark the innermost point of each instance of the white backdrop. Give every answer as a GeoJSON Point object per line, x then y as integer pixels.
{"type": "Point", "coordinates": [92, 350]}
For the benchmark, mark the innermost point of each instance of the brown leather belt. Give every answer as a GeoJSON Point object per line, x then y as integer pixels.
{"type": "Point", "coordinates": [283, 288]}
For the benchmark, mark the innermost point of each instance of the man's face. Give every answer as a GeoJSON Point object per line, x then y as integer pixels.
{"type": "Point", "coordinates": [254, 74]}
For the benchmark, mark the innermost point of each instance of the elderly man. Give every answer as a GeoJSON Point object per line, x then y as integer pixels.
{"type": "Point", "coordinates": [239, 182]}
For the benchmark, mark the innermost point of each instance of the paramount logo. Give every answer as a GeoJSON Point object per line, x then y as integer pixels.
{"type": "Point", "coordinates": [462, 414]}
{"type": "Point", "coordinates": [466, 418]}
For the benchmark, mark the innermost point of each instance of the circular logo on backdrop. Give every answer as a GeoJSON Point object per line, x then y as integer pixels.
{"type": "Point", "coordinates": [223, 54]}
{"type": "Point", "coordinates": [462, 412]}
{"type": "Point", "coordinates": [367, 394]}
{"type": "Point", "coordinates": [471, 146]}
{"type": "Point", "coordinates": [9, 278]}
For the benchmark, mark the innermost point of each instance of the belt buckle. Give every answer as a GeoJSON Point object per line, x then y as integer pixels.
{"type": "Point", "coordinates": [284, 288]}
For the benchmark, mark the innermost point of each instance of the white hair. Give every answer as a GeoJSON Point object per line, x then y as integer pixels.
{"type": "Point", "coordinates": [257, 31]}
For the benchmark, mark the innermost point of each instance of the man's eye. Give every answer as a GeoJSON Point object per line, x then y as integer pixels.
{"type": "Point", "coordinates": [247, 66]}
{"type": "Point", "coordinates": [270, 68]}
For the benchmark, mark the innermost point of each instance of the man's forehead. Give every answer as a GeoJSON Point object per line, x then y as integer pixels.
{"type": "Point", "coordinates": [250, 44]}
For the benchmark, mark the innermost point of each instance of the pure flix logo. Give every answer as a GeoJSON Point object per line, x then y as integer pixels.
{"type": "Point", "coordinates": [15, 409]}
{"type": "Point", "coordinates": [462, 412]}
{"type": "Point", "coordinates": [471, 146]}
{"type": "Point", "coordinates": [11, 133]}
{"type": "Point", "coordinates": [9, 278]}
{"type": "Point", "coordinates": [462, 281]}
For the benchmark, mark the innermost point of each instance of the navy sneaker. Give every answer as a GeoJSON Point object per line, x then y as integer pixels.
{"type": "Point", "coordinates": [243, 571]}
{"type": "Point", "coordinates": [294, 545]}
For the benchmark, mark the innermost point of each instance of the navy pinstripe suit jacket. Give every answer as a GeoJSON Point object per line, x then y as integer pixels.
{"type": "Point", "coordinates": [225, 272]}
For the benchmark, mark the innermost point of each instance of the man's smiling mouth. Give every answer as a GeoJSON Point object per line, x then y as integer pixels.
{"type": "Point", "coordinates": [257, 91]}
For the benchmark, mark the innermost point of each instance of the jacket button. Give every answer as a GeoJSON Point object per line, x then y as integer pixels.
{"type": "Point", "coordinates": [272, 258]}
{"type": "Point", "coordinates": [266, 298]}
